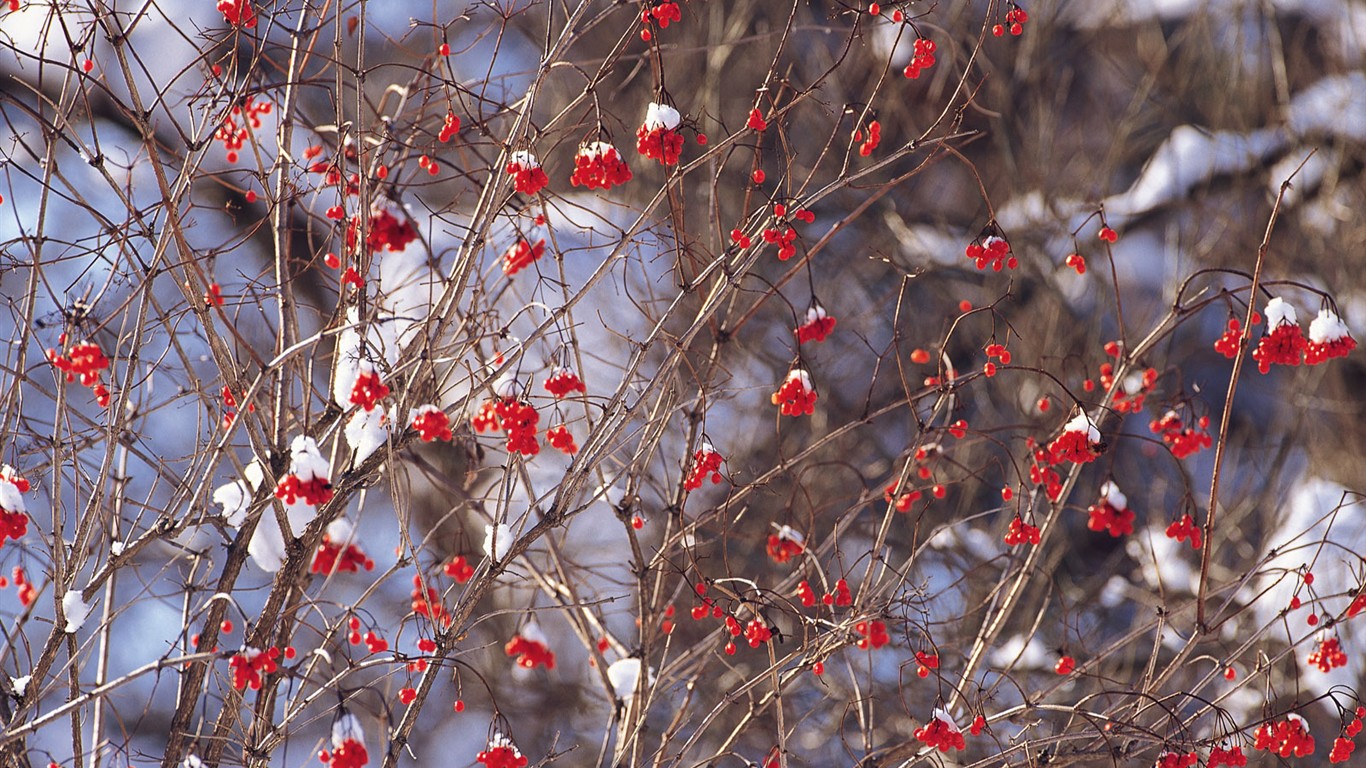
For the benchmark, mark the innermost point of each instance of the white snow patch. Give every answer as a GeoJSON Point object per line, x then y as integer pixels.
{"type": "Point", "coordinates": [365, 432]}
{"type": "Point", "coordinates": [624, 675]}
{"type": "Point", "coordinates": [1279, 312]}
{"type": "Point", "coordinates": [75, 609]}
{"type": "Point", "coordinates": [661, 116]}
{"type": "Point", "coordinates": [497, 541]}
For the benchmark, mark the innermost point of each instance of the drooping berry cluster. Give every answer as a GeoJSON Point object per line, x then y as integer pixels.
{"type": "Point", "coordinates": [431, 423]}
{"type": "Point", "coordinates": [1015, 21]}
{"type": "Point", "coordinates": [922, 58]}
{"type": "Point", "coordinates": [13, 513]}
{"type": "Point", "coordinates": [784, 238]}
{"type": "Point", "coordinates": [1285, 738]}
{"type": "Point", "coordinates": [338, 551]}
{"type": "Point", "coordinates": [705, 461]}
{"type": "Point", "coordinates": [1284, 342]}
{"type": "Point", "coordinates": [867, 145]}
{"type": "Point", "coordinates": [1328, 338]}
{"type": "Point", "coordinates": [925, 661]}
{"type": "Point", "coordinates": [516, 418]}
{"type": "Point", "coordinates": [308, 474]}
{"type": "Point", "coordinates": [756, 121]}
{"type": "Point", "coordinates": [348, 744]}
{"type": "Point", "coordinates": [818, 325]}
{"type": "Point", "coordinates": [991, 250]}
{"type": "Point", "coordinates": [238, 13]}
{"type": "Point", "coordinates": [662, 14]}
{"type": "Point", "coordinates": [657, 137]}
{"type": "Point", "coordinates": [521, 255]}
{"type": "Point", "coordinates": [797, 396]}
{"type": "Point", "coordinates": [1079, 442]}
{"type": "Point", "coordinates": [785, 545]}
{"type": "Point", "coordinates": [561, 439]}
{"type": "Point", "coordinates": [369, 389]}
{"type": "Point", "coordinates": [528, 177]}
{"type": "Point", "coordinates": [1182, 440]}
{"type": "Point", "coordinates": [1328, 655]}
{"type": "Point", "coordinates": [1177, 760]}
{"type": "Point", "coordinates": [941, 733]}
{"type": "Point", "coordinates": [459, 569]}
{"type": "Point", "coordinates": [531, 648]}
{"type": "Point", "coordinates": [1111, 513]}
{"type": "Point", "coordinates": [501, 753]}
{"type": "Point", "coordinates": [872, 634]}
{"type": "Point", "coordinates": [389, 229]}
{"type": "Point", "coordinates": [563, 381]}
{"type": "Point", "coordinates": [1130, 393]}
{"type": "Point", "coordinates": [599, 166]}
{"type": "Point", "coordinates": [1185, 528]}
{"type": "Point", "coordinates": [449, 128]}
{"type": "Point", "coordinates": [426, 601]}
{"type": "Point", "coordinates": [230, 134]}
{"type": "Point", "coordinates": [757, 633]}
{"type": "Point", "coordinates": [1225, 755]}
{"type": "Point", "coordinates": [249, 664]}
{"type": "Point", "coordinates": [86, 360]}
{"type": "Point", "coordinates": [1228, 343]}
{"type": "Point", "coordinates": [1021, 532]}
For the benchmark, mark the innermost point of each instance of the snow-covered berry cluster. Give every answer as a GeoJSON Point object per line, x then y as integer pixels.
{"type": "Point", "coordinates": [705, 461]}
{"type": "Point", "coordinates": [1111, 513]}
{"type": "Point", "coordinates": [338, 551]}
{"type": "Point", "coordinates": [531, 648]}
{"type": "Point", "coordinates": [501, 753]}
{"type": "Point", "coordinates": [431, 423]}
{"type": "Point", "coordinates": [941, 732]}
{"type": "Point", "coordinates": [658, 137]}
{"type": "Point", "coordinates": [13, 513]}
{"type": "Point", "coordinates": [308, 474]}
{"type": "Point", "coordinates": [1285, 738]}
{"type": "Point", "coordinates": [528, 177]}
{"type": "Point", "coordinates": [518, 419]}
{"type": "Point", "coordinates": [785, 544]}
{"type": "Point", "coordinates": [993, 251]}
{"type": "Point", "coordinates": [599, 166]}
{"type": "Point", "coordinates": [797, 396]}
{"type": "Point", "coordinates": [818, 325]}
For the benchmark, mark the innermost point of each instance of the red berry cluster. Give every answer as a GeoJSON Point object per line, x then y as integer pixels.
{"type": "Point", "coordinates": [1358, 605]}
{"type": "Point", "coordinates": [1285, 738]}
{"type": "Point", "coordinates": [1342, 750]}
{"type": "Point", "coordinates": [1125, 401]}
{"type": "Point", "coordinates": [1328, 655]}
{"type": "Point", "coordinates": [249, 664]}
{"type": "Point", "coordinates": [657, 138]}
{"type": "Point", "coordinates": [1079, 442]}
{"type": "Point", "coordinates": [1076, 261]}
{"type": "Point", "coordinates": [872, 634]}
{"type": "Point", "coordinates": [368, 389]}
{"type": "Point", "coordinates": [805, 594]}
{"type": "Point", "coordinates": [1177, 760]}
{"type": "Point", "coordinates": [1021, 532]}
{"type": "Point", "coordinates": [1065, 665]}
{"type": "Point", "coordinates": [238, 13]}
{"type": "Point", "coordinates": [431, 423]}
{"type": "Point", "coordinates": [314, 491]}
{"type": "Point", "coordinates": [349, 754]}
{"type": "Point", "coordinates": [563, 381]}
{"type": "Point", "coordinates": [941, 733]}
{"type": "Point", "coordinates": [1328, 338]}
{"type": "Point", "coordinates": [501, 754]}
{"type": "Point", "coordinates": [85, 360]}
{"type": "Point", "coordinates": [27, 592]}
{"type": "Point", "coordinates": [1227, 344]}
{"type": "Point", "coordinates": [521, 255]}
{"type": "Point", "coordinates": [561, 439]}
{"type": "Point", "coordinates": [449, 128]}
{"type": "Point", "coordinates": [901, 501]}
{"type": "Point", "coordinates": [14, 521]}
{"type": "Point", "coordinates": [1284, 343]}
{"type": "Point", "coordinates": [387, 230]}
{"type": "Point", "coordinates": [841, 597]}
{"type": "Point", "coordinates": [230, 134]}
{"type": "Point", "coordinates": [999, 352]}
{"type": "Point", "coordinates": [784, 238]}
{"type": "Point", "coordinates": [921, 59]}
{"type": "Point", "coordinates": [869, 144]}
{"type": "Point", "coordinates": [1041, 472]}
{"type": "Point", "coordinates": [426, 601]}
{"type": "Point", "coordinates": [797, 396]}
{"type": "Point", "coordinates": [1183, 440]}
{"type": "Point", "coordinates": [528, 177]}
{"type": "Point", "coordinates": [1104, 517]}
{"type": "Point", "coordinates": [518, 419]}
{"type": "Point", "coordinates": [1015, 21]}
{"type": "Point", "coordinates": [818, 325]}
{"type": "Point", "coordinates": [335, 557]}
{"type": "Point", "coordinates": [1185, 528]}
{"type": "Point", "coordinates": [925, 662]}
{"type": "Point", "coordinates": [459, 569]}
{"type": "Point", "coordinates": [662, 14]}
{"type": "Point", "coordinates": [756, 121]}
{"type": "Point", "coordinates": [785, 545]}
{"type": "Point", "coordinates": [757, 633]}
{"type": "Point", "coordinates": [706, 461]}
{"type": "Point", "coordinates": [1233, 757]}
{"type": "Point", "coordinates": [991, 250]}
{"type": "Point", "coordinates": [530, 652]}
{"type": "Point", "coordinates": [599, 166]}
